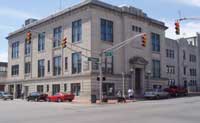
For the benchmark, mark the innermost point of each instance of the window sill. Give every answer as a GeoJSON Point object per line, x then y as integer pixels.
{"type": "Point", "coordinates": [107, 42]}
{"type": "Point", "coordinates": [77, 42]}
{"type": "Point", "coordinates": [57, 48]}
{"type": "Point", "coordinates": [156, 52]}
{"type": "Point", "coordinates": [43, 51]}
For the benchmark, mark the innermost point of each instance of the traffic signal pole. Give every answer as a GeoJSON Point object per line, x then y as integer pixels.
{"type": "Point", "coordinates": [113, 49]}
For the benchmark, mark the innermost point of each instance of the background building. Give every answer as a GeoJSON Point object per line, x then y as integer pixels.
{"type": "Point", "coordinates": [3, 75]}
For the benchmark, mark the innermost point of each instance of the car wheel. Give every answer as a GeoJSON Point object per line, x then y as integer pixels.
{"type": "Point", "coordinates": [59, 100]}
{"type": "Point", "coordinates": [70, 100]}
{"type": "Point", "coordinates": [48, 100]}
{"type": "Point", "coordinates": [4, 99]}
{"type": "Point", "coordinates": [36, 99]}
{"type": "Point", "coordinates": [157, 97]}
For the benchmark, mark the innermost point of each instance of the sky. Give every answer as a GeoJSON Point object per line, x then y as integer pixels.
{"type": "Point", "coordinates": [13, 13]}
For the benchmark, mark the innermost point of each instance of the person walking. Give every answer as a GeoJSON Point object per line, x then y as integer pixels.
{"type": "Point", "coordinates": [130, 93]}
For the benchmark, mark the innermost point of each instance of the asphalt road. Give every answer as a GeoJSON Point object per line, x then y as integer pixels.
{"type": "Point", "coordinates": [180, 110]}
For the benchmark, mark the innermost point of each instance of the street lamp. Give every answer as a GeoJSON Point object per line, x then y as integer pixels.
{"type": "Point", "coordinates": [148, 75]}
{"type": "Point", "coordinates": [131, 84]}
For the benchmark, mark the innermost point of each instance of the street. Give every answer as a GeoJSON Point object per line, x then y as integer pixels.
{"type": "Point", "coordinates": [179, 110]}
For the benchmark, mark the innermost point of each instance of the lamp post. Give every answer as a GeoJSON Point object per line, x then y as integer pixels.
{"type": "Point", "coordinates": [148, 75]}
{"type": "Point", "coordinates": [131, 84]}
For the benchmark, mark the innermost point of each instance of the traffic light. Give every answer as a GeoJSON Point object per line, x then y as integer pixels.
{"type": "Point", "coordinates": [177, 27]}
{"type": "Point", "coordinates": [144, 40]}
{"type": "Point", "coordinates": [64, 42]}
{"type": "Point", "coordinates": [28, 37]}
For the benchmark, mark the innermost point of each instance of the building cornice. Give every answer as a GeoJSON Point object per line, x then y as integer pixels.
{"type": "Point", "coordinates": [86, 3]}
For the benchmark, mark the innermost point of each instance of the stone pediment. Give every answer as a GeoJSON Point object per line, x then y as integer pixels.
{"type": "Point", "coordinates": [137, 60]}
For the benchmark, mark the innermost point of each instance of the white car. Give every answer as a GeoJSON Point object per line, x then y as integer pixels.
{"type": "Point", "coordinates": [156, 94]}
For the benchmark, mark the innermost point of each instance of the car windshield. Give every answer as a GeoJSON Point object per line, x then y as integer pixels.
{"type": "Point", "coordinates": [5, 93]}
{"type": "Point", "coordinates": [34, 94]}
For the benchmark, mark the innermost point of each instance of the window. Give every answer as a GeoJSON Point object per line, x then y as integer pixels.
{"type": "Point", "coordinates": [15, 70]}
{"type": "Point", "coordinates": [57, 34]}
{"type": "Point", "coordinates": [41, 68]}
{"type": "Point", "coordinates": [76, 31]}
{"type": "Point", "coordinates": [57, 65]}
{"type": "Point", "coordinates": [184, 55]}
{"type": "Point", "coordinates": [76, 88]}
{"type": "Point", "coordinates": [155, 42]}
{"type": "Point", "coordinates": [49, 66]}
{"type": "Point", "coordinates": [156, 68]}
{"type": "Point", "coordinates": [193, 72]}
{"type": "Point", "coordinates": [55, 89]}
{"type": "Point", "coordinates": [47, 88]}
{"type": "Point", "coordinates": [136, 29]}
{"type": "Point", "coordinates": [108, 89]}
{"type": "Point", "coordinates": [40, 88]}
{"type": "Point", "coordinates": [27, 48]}
{"type": "Point", "coordinates": [27, 68]}
{"type": "Point", "coordinates": [76, 63]}
{"type": "Point", "coordinates": [192, 58]}
{"type": "Point", "coordinates": [41, 41]}
{"type": "Point", "coordinates": [184, 70]}
{"type": "Point", "coordinates": [169, 53]}
{"type": "Point", "coordinates": [65, 87]}
{"type": "Point", "coordinates": [106, 30]}
{"type": "Point", "coordinates": [15, 50]}
{"type": "Point", "coordinates": [66, 63]}
{"type": "Point", "coordinates": [170, 69]}
{"type": "Point", "coordinates": [108, 65]}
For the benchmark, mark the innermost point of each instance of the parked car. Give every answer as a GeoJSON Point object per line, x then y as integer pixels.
{"type": "Point", "coordinates": [6, 96]}
{"type": "Point", "coordinates": [35, 96]}
{"type": "Point", "coordinates": [61, 97]}
{"type": "Point", "coordinates": [156, 94]}
{"type": "Point", "coordinates": [177, 91]}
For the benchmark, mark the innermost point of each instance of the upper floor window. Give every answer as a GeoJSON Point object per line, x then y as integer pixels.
{"type": "Point", "coordinates": [156, 68]}
{"type": "Point", "coordinates": [76, 63]}
{"type": "Point", "coordinates": [3, 69]}
{"type": "Point", "coordinates": [184, 55]}
{"type": "Point", "coordinates": [15, 50]}
{"type": "Point", "coordinates": [27, 68]}
{"type": "Point", "coordinates": [170, 69]}
{"type": "Point", "coordinates": [155, 42]}
{"type": "Point", "coordinates": [169, 53]}
{"type": "Point", "coordinates": [15, 70]}
{"type": "Point", "coordinates": [27, 48]}
{"type": "Point", "coordinates": [41, 41]}
{"type": "Point", "coordinates": [41, 68]}
{"type": "Point", "coordinates": [192, 58]}
{"type": "Point", "coordinates": [136, 29]}
{"type": "Point", "coordinates": [193, 72]}
{"type": "Point", "coordinates": [76, 31]}
{"type": "Point", "coordinates": [48, 66]}
{"type": "Point", "coordinates": [66, 63]}
{"type": "Point", "coordinates": [106, 30]}
{"type": "Point", "coordinates": [57, 65]}
{"type": "Point", "coordinates": [184, 70]}
{"type": "Point", "coordinates": [57, 35]}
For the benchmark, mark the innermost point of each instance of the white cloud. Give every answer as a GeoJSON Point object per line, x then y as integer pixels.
{"type": "Point", "coordinates": [9, 12]}
{"type": "Point", "coordinates": [187, 29]}
{"type": "Point", "coordinates": [4, 57]}
{"type": "Point", "coordinates": [190, 2]}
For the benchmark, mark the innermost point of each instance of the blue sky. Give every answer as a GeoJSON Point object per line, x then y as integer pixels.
{"type": "Point", "coordinates": [14, 12]}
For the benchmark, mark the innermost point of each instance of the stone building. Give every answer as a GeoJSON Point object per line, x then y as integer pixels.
{"type": "Point", "coordinates": [90, 27]}
{"type": "Point", "coordinates": [3, 74]}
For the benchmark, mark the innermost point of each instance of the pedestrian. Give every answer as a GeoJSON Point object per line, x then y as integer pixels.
{"type": "Point", "coordinates": [130, 93]}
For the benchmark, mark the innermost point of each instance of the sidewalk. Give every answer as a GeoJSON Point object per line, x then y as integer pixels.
{"type": "Point", "coordinates": [98, 102]}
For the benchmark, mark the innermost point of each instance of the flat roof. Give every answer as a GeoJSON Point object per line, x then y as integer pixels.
{"type": "Point", "coordinates": [84, 3]}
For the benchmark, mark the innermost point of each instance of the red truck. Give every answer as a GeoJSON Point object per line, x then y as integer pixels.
{"type": "Point", "coordinates": [177, 91]}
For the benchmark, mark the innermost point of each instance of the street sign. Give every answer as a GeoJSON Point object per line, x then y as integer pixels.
{"type": "Point", "coordinates": [93, 59]}
{"type": "Point", "coordinates": [109, 53]}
